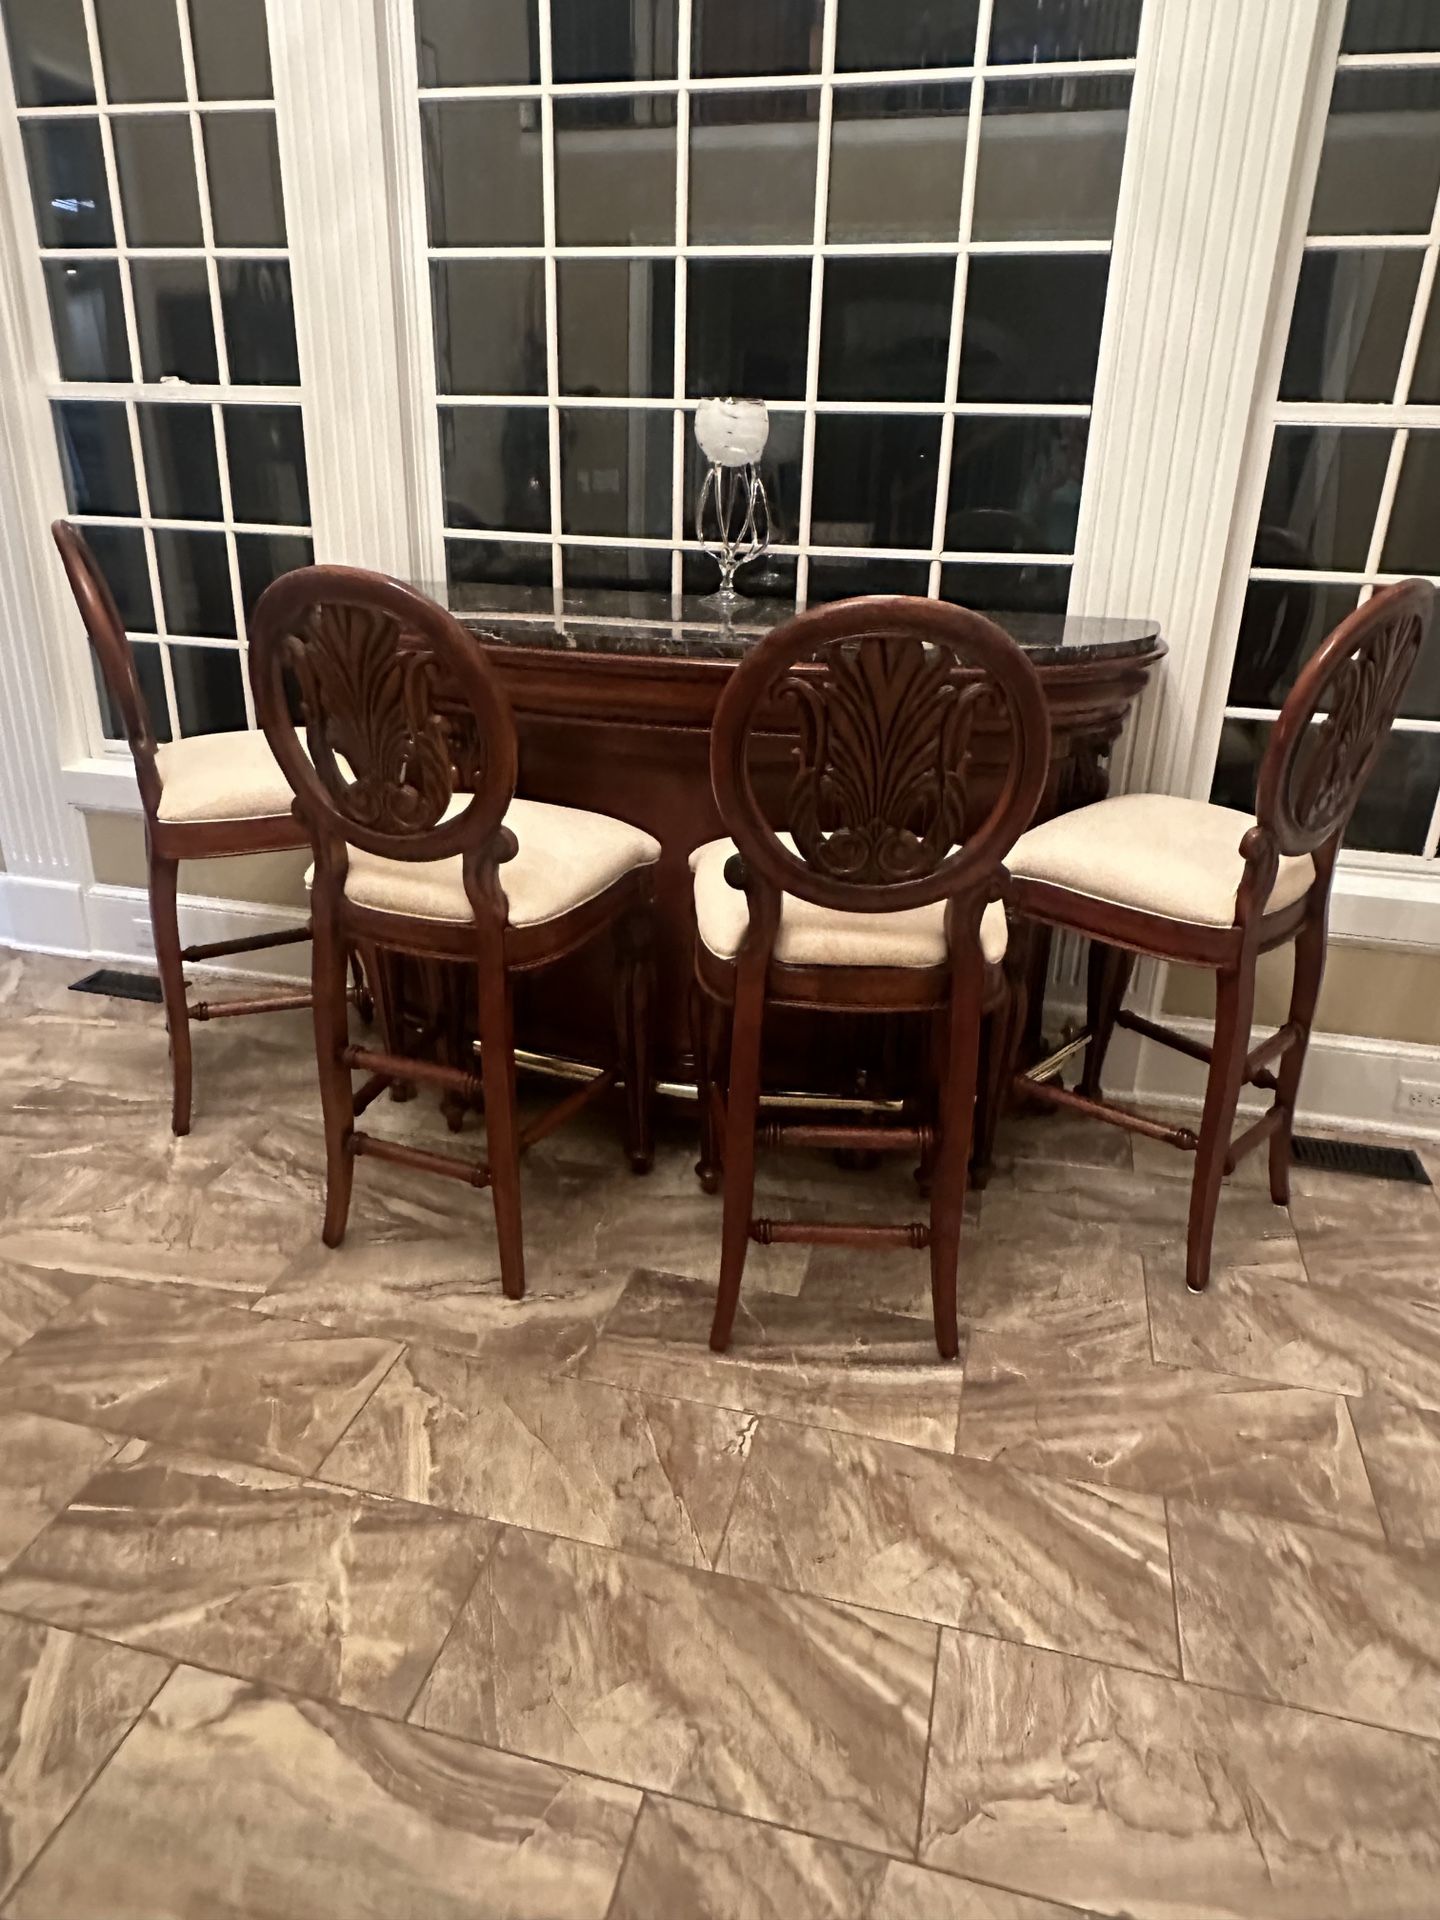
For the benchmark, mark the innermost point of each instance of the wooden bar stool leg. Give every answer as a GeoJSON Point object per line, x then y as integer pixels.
{"type": "Point", "coordinates": [1107, 975]}
{"type": "Point", "coordinates": [497, 1075]}
{"type": "Point", "coordinates": [165, 924]}
{"type": "Point", "coordinates": [742, 1107]}
{"type": "Point", "coordinates": [329, 981]}
{"type": "Point", "coordinates": [952, 1151]}
{"type": "Point", "coordinates": [634, 1022]}
{"type": "Point", "coordinates": [1234, 1003]}
{"type": "Point", "coordinates": [702, 1045]}
{"type": "Point", "coordinates": [1304, 993]}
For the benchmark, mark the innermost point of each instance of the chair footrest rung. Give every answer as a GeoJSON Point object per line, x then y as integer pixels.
{"type": "Point", "coordinates": [259, 1003]}
{"type": "Point", "coordinates": [823, 1134]}
{"type": "Point", "coordinates": [371, 1146]}
{"type": "Point", "coordinates": [838, 1233]}
{"type": "Point", "coordinates": [1054, 1096]}
{"type": "Point", "coordinates": [1269, 1122]}
{"type": "Point", "coordinates": [401, 1066]}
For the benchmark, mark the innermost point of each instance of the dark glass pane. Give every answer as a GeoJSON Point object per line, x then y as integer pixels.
{"type": "Point", "coordinates": [1425, 381]}
{"type": "Point", "coordinates": [897, 161]}
{"type": "Point", "coordinates": [67, 183]}
{"type": "Point", "coordinates": [779, 470]}
{"type": "Point", "coordinates": [1063, 30]}
{"type": "Point", "coordinates": [874, 480]}
{"type": "Point", "coordinates": [1242, 747]}
{"type": "Point", "coordinates": [615, 466]}
{"type": "Point", "coordinates": [1015, 484]}
{"type": "Point", "coordinates": [263, 557]}
{"type": "Point", "coordinates": [1321, 494]}
{"type": "Point", "coordinates": [480, 563]}
{"type": "Point", "coordinates": [195, 582]}
{"type": "Point", "coordinates": [752, 166]}
{"type": "Point", "coordinates": [172, 312]}
{"type": "Point", "coordinates": [482, 172]}
{"type": "Point", "coordinates": [49, 56]}
{"type": "Point", "coordinates": [489, 318]}
{"type": "Point", "coordinates": [181, 470]}
{"type": "Point", "coordinates": [1001, 590]}
{"type": "Point", "coordinates": [265, 447]}
{"type": "Point", "coordinates": [1393, 815]}
{"type": "Point", "coordinates": [843, 579]}
{"type": "Point", "coordinates": [259, 322]}
{"type": "Point", "coordinates": [612, 40]}
{"type": "Point", "coordinates": [1352, 309]}
{"type": "Point", "coordinates": [1391, 26]}
{"type": "Point", "coordinates": [771, 577]}
{"type": "Point", "coordinates": [155, 162]}
{"type": "Point", "coordinates": [640, 569]}
{"type": "Point", "coordinates": [232, 49]}
{"type": "Point", "coordinates": [871, 34]}
{"type": "Point", "coordinates": [496, 465]}
{"type": "Point", "coordinates": [1032, 326]}
{"type": "Point", "coordinates": [461, 44]}
{"type": "Point", "coordinates": [120, 554]}
{"type": "Point", "coordinates": [1281, 624]}
{"type": "Point", "coordinates": [89, 320]}
{"type": "Point", "coordinates": [94, 439]}
{"type": "Point", "coordinates": [617, 326]}
{"type": "Point", "coordinates": [885, 329]}
{"type": "Point", "coordinates": [151, 676]}
{"type": "Point", "coordinates": [242, 163]}
{"type": "Point", "coordinates": [615, 171]}
{"type": "Point", "coordinates": [755, 36]}
{"type": "Point", "coordinates": [1051, 152]}
{"type": "Point", "coordinates": [140, 48]}
{"type": "Point", "coordinates": [747, 323]}
{"type": "Point", "coordinates": [1412, 541]}
{"type": "Point", "coordinates": [1380, 161]}
{"type": "Point", "coordinates": [209, 689]}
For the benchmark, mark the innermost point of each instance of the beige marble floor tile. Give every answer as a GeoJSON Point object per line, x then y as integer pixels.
{"type": "Point", "coordinates": [1148, 1799]}
{"type": "Point", "coordinates": [692, 1862]}
{"type": "Point", "coordinates": [1401, 1446]}
{"type": "Point", "coordinates": [30, 1295]}
{"type": "Point", "coordinates": [965, 1544]}
{"type": "Point", "coordinates": [1371, 1236]}
{"type": "Point", "coordinates": [1171, 1431]}
{"type": "Point", "coordinates": [228, 1800]}
{"type": "Point", "coordinates": [876, 1373]}
{"type": "Point", "coordinates": [43, 1464]}
{"type": "Point", "coordinates": [1061, 1139]}
{"type": "Point", "coordinates": [437, 1292]}
{"type": "Point", "coordinates": [714, 1689]}
{"type": "Point", "coordinates": [149, 1361]}
{"type": "Point", "coordinates": [1074, 1312]}
{"type": "Point", "coordinates": [331, 1593]}
{"type": "Point", "coordinates": [1042, 1204]}
{"type": "Point", "coordinates": [66, 1703]}
{"type": "Point", "coordinates": [562, 1456]}
{"type": "Point", "coordinates": [1309, 1616]}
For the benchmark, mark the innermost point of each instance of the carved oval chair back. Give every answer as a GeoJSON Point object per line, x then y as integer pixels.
{"type": "Point", "coordinates": [890, 697]}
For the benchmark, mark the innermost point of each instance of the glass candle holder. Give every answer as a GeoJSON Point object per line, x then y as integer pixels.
{"type": "Point", "coordinates": [732, 515]}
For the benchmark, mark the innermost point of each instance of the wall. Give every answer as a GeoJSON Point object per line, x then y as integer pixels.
{"type": "Point", "coordinates": [1378, 993]}
{"type": "Point", "coordinates": [117, 853]}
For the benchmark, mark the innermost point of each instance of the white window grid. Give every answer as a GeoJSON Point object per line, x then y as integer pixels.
{"type": "Point", "coordinates": [177, 393]}
{"type": "Point", "coordinates": [1398, 414]}
{"type": "Point", "coordinates": [825, 81]}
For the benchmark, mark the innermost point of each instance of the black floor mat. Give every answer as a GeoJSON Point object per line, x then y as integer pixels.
{"type": "Point", "coordinates": [119, 985]}
{"type": "Point", "coordinates": [1359, 1156]}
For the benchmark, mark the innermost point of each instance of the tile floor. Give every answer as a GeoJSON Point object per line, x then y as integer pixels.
{"type": "Point", "coordinates": [333, 1584]}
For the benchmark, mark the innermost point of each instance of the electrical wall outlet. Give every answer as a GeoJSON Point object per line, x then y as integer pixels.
{"type": "Point", "coordinates": [1418, 1096]}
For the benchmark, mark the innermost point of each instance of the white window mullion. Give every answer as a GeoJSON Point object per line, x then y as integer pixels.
{"type": "Point", "coordinates": [552, 304]}
{"type": "Point", "coordinates": [817, 298]}
{"type": "Point", "coordinates": [680, 446]}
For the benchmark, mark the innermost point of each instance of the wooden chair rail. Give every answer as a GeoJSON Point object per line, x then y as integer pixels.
{"type": "Point", "coordinates": [258, 1003]}
{"type": "Point", "coordinates": [1055, 1096]}
{"type": "Point", "coordinates": [1269, 1122]}
{"type": "Point", "coordinates": [840, 1233]}
{"type": "Point", "coordinates": [831, 1135]}
{"type": "Point", "coordinates": [475, 1173]}
{"type": "Point", "coordinates": [248, 943]}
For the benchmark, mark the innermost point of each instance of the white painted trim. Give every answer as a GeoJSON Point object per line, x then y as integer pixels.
{"type": "Point", "coordinates": [119, 919]}
{"type": "Point", "coordinates": [47, 916]}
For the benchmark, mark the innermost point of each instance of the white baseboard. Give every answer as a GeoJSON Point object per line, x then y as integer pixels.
{"type": "Point", "coordinates": [46, 915]}
{"type": "Point", "coordinates": [119, 924]}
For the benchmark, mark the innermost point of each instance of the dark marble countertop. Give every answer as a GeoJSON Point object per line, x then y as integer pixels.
{"type": "Point", "coordinates": [655, 626]}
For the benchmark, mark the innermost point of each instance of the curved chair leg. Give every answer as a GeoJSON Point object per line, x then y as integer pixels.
{"type": "Point", "coordinates": [999, 1056]}
{"type": "Point", "coordinates": [742, 1106]}
{"type": "Point", "coordinates": [329, 982]}
{"type": "Point", "coordinates": [497, 1075]}
{"type": "Point", "coordinates": [1304, 993]}
{"type": "Point", "coordinates": [952, 1160]}
{"type": "Point", "coordinates": [1107, 975]}
{"type": "Point", "coordinates": [1234, 1003]}
{"type": "Point", "coordinates": [165, 924]}
{"type": "Point", "coordinates": [634, 999]}
{"type": "Point", "coordinates": [703, 1034]}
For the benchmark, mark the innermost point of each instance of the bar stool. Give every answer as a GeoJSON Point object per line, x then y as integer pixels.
{"type": "Point", "coordinates": [884, 895]}
{"type": "Point", "coordinates": [1177, 879]}
{"type": "Point", "coordinates": [406, 783]}
{"type": "Point", "coordinates": [212, 796]}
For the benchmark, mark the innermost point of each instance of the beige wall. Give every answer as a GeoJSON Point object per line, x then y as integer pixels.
{"type": "Point", "coordinates": [1380, 993]}
{"type": "Point", "coordinates": [117, 853]}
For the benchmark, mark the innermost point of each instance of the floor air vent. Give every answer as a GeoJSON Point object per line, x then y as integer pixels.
{"type": "Point", "coordinates": [119, 985]}
{"type": "Point", "coordinates": [1359, 1156]}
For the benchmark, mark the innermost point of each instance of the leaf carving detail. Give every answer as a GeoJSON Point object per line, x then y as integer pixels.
{"type": "Point", "coordinates": [1361, 700]}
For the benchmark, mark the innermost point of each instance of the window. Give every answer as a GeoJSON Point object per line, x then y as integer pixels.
{"type": "Point", "coordinates": [1354, 457]}
{"type": "Point", "coordinates": [889, 219]}
{"type": "Point", "coordinates": [149, 137]}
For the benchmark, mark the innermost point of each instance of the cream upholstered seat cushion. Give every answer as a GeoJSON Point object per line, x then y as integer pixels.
{"type": "Point", "coordinates": [566, 857]}
{"type": "Point", "coordinates": [221, 776]}
{"type": "Point", "coordinates": [1157, 852]}
{"type": "Point", "coordinates": [811, 936]}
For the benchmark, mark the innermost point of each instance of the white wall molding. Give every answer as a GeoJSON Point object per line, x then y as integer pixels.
{"type": "Point", "coordinates": [119, 923]}
{"type": "Point", "coordinates": [44, 915]}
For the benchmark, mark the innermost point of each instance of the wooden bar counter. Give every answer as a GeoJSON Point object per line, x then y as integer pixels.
{"type": "Point", "coordinates": [613, 696]}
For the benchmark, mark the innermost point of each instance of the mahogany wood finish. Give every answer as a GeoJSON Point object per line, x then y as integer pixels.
{"type": "Point", "coordinates": [1322, 751]}
{"type": "Point", "coordinates": [168, 842]}
{"type": "Point", "coordinates": [402, 715]}
{"type": "Point", "coordinates": [878, 808]}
